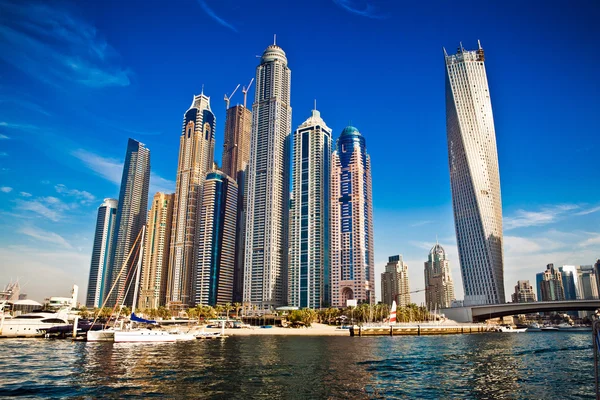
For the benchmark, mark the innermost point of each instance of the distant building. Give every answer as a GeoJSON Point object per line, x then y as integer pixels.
{"type": "Point", "coordinates": [213, 275]}
{"type": "Point", "coordinates": [597, 272]}
{"type": "Point", "coordinates": [394, 282]}
{"type": "Point", "coordinates": [352, 254]}
{"type": "Point", "coordinates": [523, 293]}
{"type": "Point", "coordinates": [588, 282]}
{"type": "Point", "coordinates": [102, 250]}
{"type": "Point", "coordinates": [571, 284]}
{"type": "Point", "coordinates": [132, 211]}
{"type": "Point", "coordinates": [550, 284]}
{"type": "Point", "coordinates": [474, 177]}
{"type": "Point", "coordinates": [196, 158]}
{"type": "Point", "coordinates": [439, 287]}
{"type": "Point", "coordinates": [155, 264]}
{"type": "Point", "coordinates": [309, 261]}
{"type": "Point", "coordinates": [11, 292]}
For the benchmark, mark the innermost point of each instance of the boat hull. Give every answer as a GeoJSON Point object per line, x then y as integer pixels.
{"type": "Point", "coordinates": [144, 336]}
{"type": "Point", "coordinates": [101, 336]}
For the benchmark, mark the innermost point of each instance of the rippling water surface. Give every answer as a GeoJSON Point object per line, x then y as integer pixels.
{"type": "Point", "coordinates": [529, 366]}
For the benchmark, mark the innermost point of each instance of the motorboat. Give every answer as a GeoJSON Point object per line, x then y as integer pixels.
{"type": "Point", "coordinates": [565, 327]}
{"type": "Point", "coordinates": [549, 328]}
{"type": "Point", "coordinates": [34, 324]}
{"type": "Point", "coordinates": [535, 327]}
{"type": "Point", "coordinates": [510, 329]}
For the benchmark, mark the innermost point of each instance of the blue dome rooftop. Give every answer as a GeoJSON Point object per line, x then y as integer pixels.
{"type": "Point", "coordinates": [350, 131]}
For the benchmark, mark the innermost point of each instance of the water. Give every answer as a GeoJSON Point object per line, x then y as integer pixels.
{"type": "Point", "coordinates": [524, 366]}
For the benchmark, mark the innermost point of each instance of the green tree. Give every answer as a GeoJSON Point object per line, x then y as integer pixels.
{"type": "Point", "coordinates": [237, 307]}
{"type": "Point", "coordinates": [83, 312]}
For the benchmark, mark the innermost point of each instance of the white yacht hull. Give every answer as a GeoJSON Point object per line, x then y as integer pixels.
{"type": "Point", "coordinates": [144, 335]}
{"type": "Point", "coordinates": [101, 336]}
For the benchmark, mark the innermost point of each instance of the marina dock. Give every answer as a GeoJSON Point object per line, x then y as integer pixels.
{"type": "Point", "coordinates": [418, 330]}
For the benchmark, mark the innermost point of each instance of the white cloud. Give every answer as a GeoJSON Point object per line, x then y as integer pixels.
{"type": "Point", "coordinates": [25, 194]}
{"type": "Point", "coordinates": [365, 9]}
{"type": "Point", "coordinates": [82, 195]}
{"type": "Point", "coordinates": [214, 16]}
{"type": "Point", "coordinates": [53, 45]}
{"type": "Point", "coordinates": [3, 137]}
{"type": "Point", "coordinates": [6, 189]}
{"type": "Point", "coordinates": [48, 207]}
{"type": "Point", "coordinates": [3, 154]}
{"type": "Point", "coordinates": [12, 125]}
{"type": "Point", "coordinates": [546, 215]}
{"type": "Point", "coordinates": [588, 211]}
{"type": "Point", "coordinates": [45, 236]}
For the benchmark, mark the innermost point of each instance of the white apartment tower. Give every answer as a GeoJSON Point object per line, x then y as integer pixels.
{"type": "Point", "coordinates": [101, 253]}
{"type": "Point", "coordinates": [265, 267]}
{"type": "Point", "coordinates": [352, 257]}
{"type": "Point", "coordinates": [196, 153]}
{"type": "Point", "coordinates": [474, 177]}
{"type": "Point", "coordinates": [309, 265]}
{"type": "Point", "coordinates": [394, 282]}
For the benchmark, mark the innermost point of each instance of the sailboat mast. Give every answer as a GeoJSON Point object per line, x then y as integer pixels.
{"type": "Point", "coordinates": [138, 271]}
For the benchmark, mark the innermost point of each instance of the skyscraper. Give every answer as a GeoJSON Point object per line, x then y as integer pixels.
{"type": "Point", "coordinates": [265, 266]}
{"type": "Point", "coordinates": [523, 293]}
{"type": "Point", "coordinates": [352, 257]}
{"type": "Point", "coordinates": [439, 287]}
{"type": "Point", "coordinates": [550, 284]}
{"type": "Point", "coordinates": [587, 282]}
{"type": "Point", "coordinates": [213, 274]}
{"type": "Point", "coordinates": [570, 281]}
{"type": "Point", "coordinates": [474, 177]}
{"type": "Point", "coordinates": [131, 217]}
{"type": "Point", "coordinates": [394, 282]}
{"type": "Point", "coordinates": [155, 264]}
{"type": "Point", "coordinates": [196, 153]}
{"type": "Point", "coordinates": [309, 264]}
{"type": "Point", "coordinates": [236, 156]}
{"type": "Point", "coordinates": [101, 253]}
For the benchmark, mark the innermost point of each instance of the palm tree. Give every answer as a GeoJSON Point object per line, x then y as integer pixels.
{"type": "Point", "coordinates": [227, 308]}
{"type": "Point", "coordinates": [237, 307]}
{"type": "Point", "coordinates": [83, 312]}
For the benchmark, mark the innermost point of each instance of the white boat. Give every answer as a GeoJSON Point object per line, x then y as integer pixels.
{"type": "Point", "coordinates": [565, 327]}
{"type": "Point", "coordinates": [535, 327]}
{"type": "Point", "coordinates": [510, 329]}
{"type": "Point", "coordinates": [549, 328]}
{"type": "Point", "coordinates": [144, 335]}
{"type": "Point", "coordinates": [33, 324]}
{"type": "Point", "coordinates": [104, 335]}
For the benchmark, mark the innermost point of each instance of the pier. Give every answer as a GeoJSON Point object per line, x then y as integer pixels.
{"type": "Point", "coordinates": [418, 330]}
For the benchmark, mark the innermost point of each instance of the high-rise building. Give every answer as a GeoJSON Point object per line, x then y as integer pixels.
{"type": "Point", "coordinates": [155, 263]}
{"type": "Point", "coordinates": [213, 274]}
{"type": "Point", "coordinates": [474, 177]}
{"type": "Point", "coordinates": [101, 253]}
{"type": "Point", "coordinates": [131, 217]}
{"type": "Point", "coordinates": [570, 280]}
{"type": "Point", "coordinates": [394, 282]}
{"type": "Point", "coordinates": [587, 282]}
{"type": "Point", "coordinates": [196, 153]}
{"type": "Point", "coordinates": [265, 266]}
{"type": "Point", "coordinates": [439, 287]}
{"type": "Point", "coordinates": [550, 284]}
{"type": "Point", "coordinates": [597, 272]}
{"type": "Point", "coordinates": [309, 265]}
{"type": "Point", "coordinates": [523, 293]}
{"type": "Point", "coordinates": [352, 256]}
{"type": "Point", "coordinates": [236, 156]}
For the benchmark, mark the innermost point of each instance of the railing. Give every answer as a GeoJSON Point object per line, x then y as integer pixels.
{"type": "Point", "coordinates": [596, 343]}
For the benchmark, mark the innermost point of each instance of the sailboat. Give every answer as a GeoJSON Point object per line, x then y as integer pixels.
{"type": "Point", "coordinates": [393, 313]}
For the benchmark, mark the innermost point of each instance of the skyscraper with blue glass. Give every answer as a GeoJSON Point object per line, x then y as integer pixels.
{"type": "Point", "coordinates": [309, 261]}
{"type": "Point", "coordinates": [214, 271]}
{"type": "Point", "coordinates": [352, 257]}
{"type": "Point", "coordinates": [101, 253]}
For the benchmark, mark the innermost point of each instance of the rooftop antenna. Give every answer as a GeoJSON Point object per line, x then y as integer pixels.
{"type": "Point", "coordinates": [462, 49]}
{"type": "Point", "coordinates": [479, 44]}
{"type": "Point", "coordinates": [275, 39]}
{"type": "Point", "coordinates": [315, 108]}
{"type": "Point", "coordinates": [229, 98]}
{"type": "Point", "coordinates": [445, 53]}
{"type": "Point", "coordinates": [436, 239]}
{"type": "Point", "coordinates": [202, 89]}
{"type": "Point", "coordinates": [245, 90]}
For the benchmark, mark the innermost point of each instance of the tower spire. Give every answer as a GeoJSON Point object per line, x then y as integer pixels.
{"type": "Point", "coordinates": [315, 107]}
{"type": "Point", "coordinates": [274, 39]}
{"type": "Point", "coordinates": [202, 89]}
{"type": "Point", "coordinates": [479, 44]}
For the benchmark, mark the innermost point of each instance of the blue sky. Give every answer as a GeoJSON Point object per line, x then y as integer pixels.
{"type": "Point", "coordinates": [78, 78]}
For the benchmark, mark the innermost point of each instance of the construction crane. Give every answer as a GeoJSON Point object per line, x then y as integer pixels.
{"type": "Point", "coordinates": [229, 98]}
{"type": "Point", "coordinates": [245, 90]}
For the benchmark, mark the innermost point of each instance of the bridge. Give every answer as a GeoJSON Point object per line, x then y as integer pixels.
{"type": "Point", "coordinates": [485, 312]}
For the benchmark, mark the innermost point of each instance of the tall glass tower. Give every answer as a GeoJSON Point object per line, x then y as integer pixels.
{"type": "Point", "coordinates": [101, 253]}
{"type": "Point", "coordinates": [131, 217]}
{"type": "Point", "coordinates": [265, 267]}
{"type": "Point", "coordinates": [214, 271]}
{"type": "Point", "coordinates": [196, 153]}
{"type": "Point", "coordinates": [474, 177]}
{"type": "Point", "coordinates": [309, 264]}
{"type": "Point", "coordinates": [352, 257]}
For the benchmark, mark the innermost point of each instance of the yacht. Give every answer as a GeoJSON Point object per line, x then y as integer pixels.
{"type": "Point", "coordinates": [510, 329]}
{"type": "Point", "coordinates": [535, 327]}
{"type": "Point", "coordinates": [549, 328]}
{"type": "Point", "coordinates": [33, 324]}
